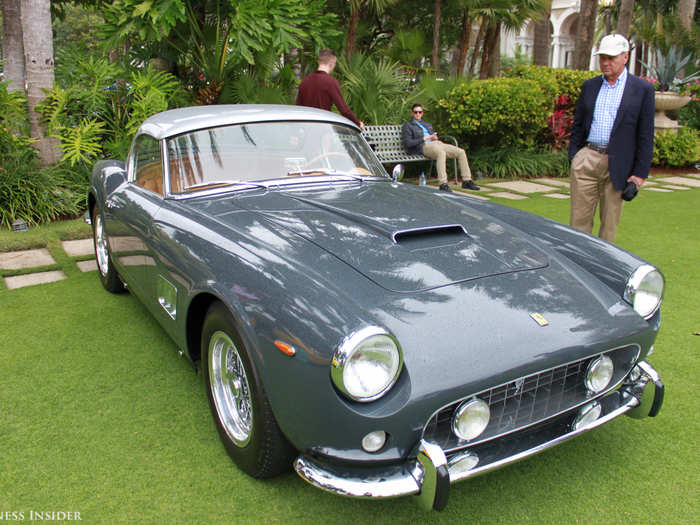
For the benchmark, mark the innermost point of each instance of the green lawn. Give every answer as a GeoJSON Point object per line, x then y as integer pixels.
{"type": "Point", "coordinates": [100, 415]}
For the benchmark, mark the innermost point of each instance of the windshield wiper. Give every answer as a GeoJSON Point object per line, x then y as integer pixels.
{"type": "Point", "coordinates": [324, 171]}
{"type": "Point", "coordinates": [220, 183]}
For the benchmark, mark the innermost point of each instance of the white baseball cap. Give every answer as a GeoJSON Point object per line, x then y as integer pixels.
{"type": "Point", "coordinates": [613, 45]}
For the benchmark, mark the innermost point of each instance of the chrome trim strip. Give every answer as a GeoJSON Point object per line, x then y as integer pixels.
{"type": "Point", "coordinates": [649, 370]}
{"type": "Point", "coordinates": [390, 483]}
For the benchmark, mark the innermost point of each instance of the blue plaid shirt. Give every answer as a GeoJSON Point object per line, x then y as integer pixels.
{"type": "Point", "coordinates": [606, 106]}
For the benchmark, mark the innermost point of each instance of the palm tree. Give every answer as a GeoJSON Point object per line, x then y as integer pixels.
{"type": "Point", "coordinates": [511, 17]}
{"type": "Point", "coordinates": [686, 9]}
{"type": "Point", "coordinates": [624, 19]}
{"type": "Point", "coordinates": [543, 37]}
{"type": "Point", "coordinates": [38, 50]}
{"type": "Point", "coordinates": [584, 34]}
{"type": "Point", "coordinates": [13, 49]}
{"type": "Point", "coordinates": [436, 36]}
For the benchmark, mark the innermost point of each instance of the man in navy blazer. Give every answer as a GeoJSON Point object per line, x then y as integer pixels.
{"type": "Point", "coordinates": [612, 140]}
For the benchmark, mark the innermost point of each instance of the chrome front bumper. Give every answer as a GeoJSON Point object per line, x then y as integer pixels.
{"type": "Point", "coordinates": [430, 474]}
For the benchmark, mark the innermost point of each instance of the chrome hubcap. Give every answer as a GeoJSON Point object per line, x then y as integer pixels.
{"type": "Point", "coordinates": [101, 246]}
{"type": "Point", "coordinates": [229, 388]}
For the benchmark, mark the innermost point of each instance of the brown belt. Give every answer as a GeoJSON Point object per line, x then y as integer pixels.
{"type": "Point", "coordinates": [597, 147]}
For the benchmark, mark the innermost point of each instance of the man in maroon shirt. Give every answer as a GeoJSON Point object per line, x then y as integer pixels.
{"type": "Point", "coordinates": [321, 90]}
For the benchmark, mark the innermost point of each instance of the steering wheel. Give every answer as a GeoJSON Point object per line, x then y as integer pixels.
{"type": "Point", "coordinates": [328, 154]}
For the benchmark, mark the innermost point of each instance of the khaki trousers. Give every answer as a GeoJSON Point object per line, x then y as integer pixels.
{"type": "Point", "coordinates": [590, 183]}
{"type": "Point", "coordinates": [439, 152]}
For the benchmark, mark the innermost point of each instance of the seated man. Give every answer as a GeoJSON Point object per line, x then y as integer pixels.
{"type": "Point", "coordinates": [420, 139]}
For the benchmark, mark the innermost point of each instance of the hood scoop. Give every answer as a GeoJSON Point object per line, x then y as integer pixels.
{"type": "Point", "coordinates": [445, 234]}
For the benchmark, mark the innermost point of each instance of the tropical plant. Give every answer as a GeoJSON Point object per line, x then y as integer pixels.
{"type": "Point", "coordinates": [374, 6]}
{"type": "Point", "coordinates": [668, 70]}
{"type": "Point", "coordinates": [14, 110]}
{"type": "Point", "coordinates": [375, 89]}
{"type": "Point", "coordinates": [429, 91]}
{"type": "Point", "coordinates": [97, 114]}
{"type": "Point", "coordinates": [213, 42]}
{"type": "Point", "coordinates": [408, 47]}
{"type": "Point", "coordinates": [561, 122]}
{"type": "Point", "coordinates": [30, 193]}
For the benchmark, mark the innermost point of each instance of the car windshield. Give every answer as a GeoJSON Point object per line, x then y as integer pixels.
{"type": "Point", "coordinates": [218, 157]}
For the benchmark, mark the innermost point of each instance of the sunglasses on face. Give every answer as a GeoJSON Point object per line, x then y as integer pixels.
{"type": "Point", "coordinates": [418, 112]}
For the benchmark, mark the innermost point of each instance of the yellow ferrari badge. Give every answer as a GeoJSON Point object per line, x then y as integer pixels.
{"type": "Point", "coordinates": [539, 319]}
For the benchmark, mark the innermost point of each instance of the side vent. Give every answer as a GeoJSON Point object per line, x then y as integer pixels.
{"type": "Point", "coordinates": [446, 232]}
{"type": "Point", "coordinates": [167, 296]}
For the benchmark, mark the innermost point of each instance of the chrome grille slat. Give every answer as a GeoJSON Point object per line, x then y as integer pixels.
{"type": "Point", "coordinates": [528, 400]}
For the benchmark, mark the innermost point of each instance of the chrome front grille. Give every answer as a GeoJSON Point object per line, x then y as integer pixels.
{"type": "Point", "coordinates": [528, 400]}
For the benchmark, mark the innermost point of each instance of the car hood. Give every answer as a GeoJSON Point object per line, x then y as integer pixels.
{"type": "Point", "coordinates": [402, 237]}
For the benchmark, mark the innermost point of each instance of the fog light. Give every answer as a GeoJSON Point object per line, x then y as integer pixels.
{"type": "Point", "coordinates": [587, 415]}
{"type": "Point", "coordinates": [374, 441]}
{"type": "Point", "coordinates": [471, 419]}
{"type": "Point", "coordinates": [461, 464]}
{"type": "Point", "coordinates": [599, 374]}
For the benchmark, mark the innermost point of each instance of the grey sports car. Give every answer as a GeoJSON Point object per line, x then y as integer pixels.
{"type": "Point", "coordinates": [383, 338]}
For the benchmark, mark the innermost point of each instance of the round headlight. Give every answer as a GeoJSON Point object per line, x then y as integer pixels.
{"type": "Point", "coordinates": [367, 364]}
{"type": "Point", "coordinates": [644, 290]}
{"type": "Point", "coordinates": [599, 374]}
{"type": "Point", "coordinates": [471, 419]}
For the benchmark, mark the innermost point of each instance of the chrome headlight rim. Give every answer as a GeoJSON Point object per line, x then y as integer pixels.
{"type": "Point", "coordinates": [635, 281]}
{"type": "Point", "coordinates": [593, 367]}
{"type": "Point", "coordinates": [346, 350]}
{"type": "Point", "coordinates": [463, 407]}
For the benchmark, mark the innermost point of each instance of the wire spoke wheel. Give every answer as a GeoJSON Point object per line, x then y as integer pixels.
{"type": "Point", "coordinates": [101, 246]}
{"type": "Point", "coordinates": [230, 389]}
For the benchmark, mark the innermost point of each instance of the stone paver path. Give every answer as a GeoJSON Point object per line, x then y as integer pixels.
{"type": "Point", "coordinates": [79, 247]}
{"type": "Point", "coordinates": [521, 186]}
{"type": "Point", "coordinates": [685, 181]}
{"type": "Point", "coordinates": [29, 279]}
{"type": "Point", "coordinates": [554, 182]}
{"type": "Point", "coordinates": [675, 187]}
{"type": "Point", "coordinates": [87, 266]}
{"type": "Point", "coordinates": [557, 195]}
{"type": "Point", "coordinates": [507, 195]}
{"type": "Point", "coordinates": [661, 190]}
{"type": "Point", "coordinates": [25, 259]}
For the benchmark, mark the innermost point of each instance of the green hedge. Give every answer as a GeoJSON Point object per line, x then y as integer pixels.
{"type": "Point", "coordinates": [554, 82]}
{"type": "Point", "coordinates": [676, 150]}
{"type": "Point", "coordinates": [503, 112]}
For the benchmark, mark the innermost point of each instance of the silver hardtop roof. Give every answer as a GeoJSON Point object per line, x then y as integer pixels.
{"type": "Point", "coordinates": [177, 121]}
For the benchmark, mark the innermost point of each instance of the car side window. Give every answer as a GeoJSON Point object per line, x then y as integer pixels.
{"type": "Point", "coordinates": [148, 165]}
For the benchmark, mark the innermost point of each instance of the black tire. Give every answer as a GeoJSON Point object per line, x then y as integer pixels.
{"type": "Point", "coordinates": [108, 273]}
{"type": "Point", "coordinates": [240, 408]}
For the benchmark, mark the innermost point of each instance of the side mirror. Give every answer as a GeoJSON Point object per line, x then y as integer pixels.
{"type": "Point", "coordinates": [397, 172]}
{"type": "Point", "coordinates": [114, 176]}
